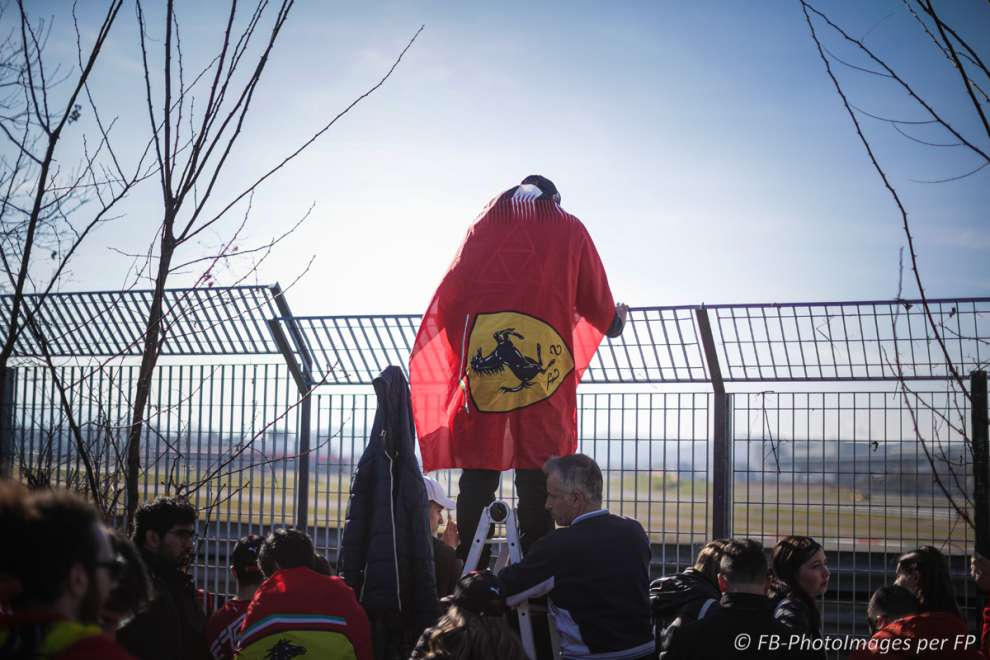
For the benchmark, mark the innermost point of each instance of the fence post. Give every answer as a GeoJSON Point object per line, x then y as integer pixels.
{"type": "Point", "coordinates": [721, 433]}
{"type": "Point", "coordinates": [302, 374]}
{"type": "Point", "coordinates": [981, 461]}
{"type": "Point", "coordinates": [7, 423]}
{"type": "Point", "coordinates": [302, 474]}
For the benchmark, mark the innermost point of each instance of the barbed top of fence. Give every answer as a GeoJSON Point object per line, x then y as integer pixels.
{"type": "Point", "coordinates": [196, 322]}
{"type": "Point", "coordinates": [767, 342]}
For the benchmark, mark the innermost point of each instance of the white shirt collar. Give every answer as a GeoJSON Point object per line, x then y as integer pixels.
{"type": "Point", "coordinates": [589, 514]}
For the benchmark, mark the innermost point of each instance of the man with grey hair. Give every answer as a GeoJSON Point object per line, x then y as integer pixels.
{"type": "Point", "coordinates": [594, 569]}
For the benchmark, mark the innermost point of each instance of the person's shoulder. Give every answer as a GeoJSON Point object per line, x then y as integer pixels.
{"type": "Point", "coordinates": [628, 525]}
{"type": "Point", "coordinates": [232, 609]}
{"type": "Point", "coordinates": [792, 613]}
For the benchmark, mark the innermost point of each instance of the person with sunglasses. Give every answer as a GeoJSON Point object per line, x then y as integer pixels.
{"type": "Point", "coordinates": [174, 624]}
{"type": "Point", "coordinates": [67, 572]}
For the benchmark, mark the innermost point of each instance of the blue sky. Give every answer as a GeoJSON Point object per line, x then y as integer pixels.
{"type": "Point", "coordinates": [702, 144]}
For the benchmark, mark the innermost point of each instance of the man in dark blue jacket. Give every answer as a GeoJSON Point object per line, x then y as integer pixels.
{"type": "Point", "coordinates": [594, 569]}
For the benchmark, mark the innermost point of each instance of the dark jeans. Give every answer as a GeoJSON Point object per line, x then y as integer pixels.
{"type": "Point", "coordinates": [477, 490]}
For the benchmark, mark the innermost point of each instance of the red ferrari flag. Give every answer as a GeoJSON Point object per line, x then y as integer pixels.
{"type": "Point", "coordinates": [511, 328]}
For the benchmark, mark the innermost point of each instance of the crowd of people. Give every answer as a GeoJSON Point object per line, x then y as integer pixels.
{"type": "Point", "coordinates": [72, 588]}
{"type": "Point", "coordinates": [733, 590]}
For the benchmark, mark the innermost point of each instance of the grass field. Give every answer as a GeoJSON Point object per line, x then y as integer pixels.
{"type": "Point", "coordinates": [671, 509]}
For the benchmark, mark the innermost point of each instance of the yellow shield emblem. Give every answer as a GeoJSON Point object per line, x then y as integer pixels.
{"type": "Point", "coordinates": [516, 360]}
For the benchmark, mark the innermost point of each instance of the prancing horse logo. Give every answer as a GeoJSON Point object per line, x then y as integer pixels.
{"type": "Point", "coordinates": [284, 650]}
{"type": "Point", "coordinates": [507, 355]}
{"type": "Point", "coordinates": [503, 374]}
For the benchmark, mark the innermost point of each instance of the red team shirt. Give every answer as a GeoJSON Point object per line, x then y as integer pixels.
{"type": "Point", "coordinates": [224, 627]}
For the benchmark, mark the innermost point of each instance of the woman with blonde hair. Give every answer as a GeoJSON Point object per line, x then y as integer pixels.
{"type": "Point", "coordinates": [474, 626]}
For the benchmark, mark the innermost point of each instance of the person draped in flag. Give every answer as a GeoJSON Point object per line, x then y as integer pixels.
{"type": "Point", "coordinates": [501, 349]}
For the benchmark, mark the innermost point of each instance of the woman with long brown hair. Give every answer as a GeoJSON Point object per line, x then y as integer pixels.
{"type": "Point", "coordinates": [800, 576]}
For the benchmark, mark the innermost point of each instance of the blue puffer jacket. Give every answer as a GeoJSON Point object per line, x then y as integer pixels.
{"type": "Point", "coordinates": [386, 553]}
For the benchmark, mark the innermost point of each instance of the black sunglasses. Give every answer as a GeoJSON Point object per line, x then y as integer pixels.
{"type": "Point", "coordinates": [115, 567]}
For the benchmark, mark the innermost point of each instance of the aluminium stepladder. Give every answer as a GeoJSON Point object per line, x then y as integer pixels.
{"type": "Point", "coordinates": [500, 513]}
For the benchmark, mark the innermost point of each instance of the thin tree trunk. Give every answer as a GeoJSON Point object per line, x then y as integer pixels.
{"type": "Point", "coordinates": [149, 359]}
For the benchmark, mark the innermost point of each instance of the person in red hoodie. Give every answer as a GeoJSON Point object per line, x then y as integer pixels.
{"type": "Point", "coordinates": [67, 568]}
{"type": "Point", "coordinates": [297, 611]}
{"type": "Point", "coordinates": [224, 627]}
{"type": "Point", "coordinates": [980, 568]}
{"type": "Point", "coordinates": [902, 632]}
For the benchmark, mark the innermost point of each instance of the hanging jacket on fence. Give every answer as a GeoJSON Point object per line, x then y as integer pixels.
{"type": "Point", "coordinates": [386, 552]}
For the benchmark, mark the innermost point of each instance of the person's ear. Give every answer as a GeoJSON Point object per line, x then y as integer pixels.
{"type": "Point", "coordinates": [78, 580]}
{"type": "Point", "coordinates": [233, 573]}
{"type": "Point", "coordinates": [723, 584]}
{"type": "Point", "coordinates": [152, 540]}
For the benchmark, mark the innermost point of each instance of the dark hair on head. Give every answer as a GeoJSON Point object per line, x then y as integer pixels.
{"type": "Point", "coordinates": [63, 534]}
{"type": "Point", "coordinates": [133, 591]}
{"type": "Point", "coordinates": [789, 555]}
{"type": "Point", "coordinates": [545, 185]}
{"type": "Point", "coordinates": [935, 591]}
{"type": "Point", "coordinates": [708, 558]}
{"type": "Point", "coordinates": [577, 472]}
{"type": "Point", "coordinates": [160, 516]}
{"type": "Point", "coordinates": [244, 559]}
{"type": "Point", "coordinates": [743, 562]}
{"type": "Point", "coordinates": [16, 512]}
{"type": "Point", "coordinates": [461, 634]}
{"type": "Point", "coordinates": [286, 548]}
{"type": "Point", "coordinates": [892, 602]}
{"type": "Point", "coordinates": [480, 592]}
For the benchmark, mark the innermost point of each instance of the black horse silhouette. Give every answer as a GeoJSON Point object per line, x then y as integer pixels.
{"type": "Point", "coordinates": [505, 355]}
{"type": "Point", "coordinates": [284, 650]}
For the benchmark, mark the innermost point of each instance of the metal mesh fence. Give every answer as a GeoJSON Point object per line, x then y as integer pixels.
{"type": "Point", "coordinates": [223, 435]}
{"type": "Point", "coordinates": [857, 470]}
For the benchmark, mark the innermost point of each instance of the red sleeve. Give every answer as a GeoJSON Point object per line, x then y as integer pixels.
{"type": "Point", "coordinates": [985, 633]}
{"type": "Point", "coordinates": [594, 297]}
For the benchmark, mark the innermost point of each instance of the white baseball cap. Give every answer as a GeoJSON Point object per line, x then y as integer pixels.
{"type": "Point", "coordinates": [434, 493]}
